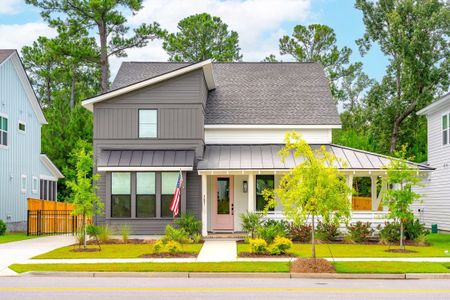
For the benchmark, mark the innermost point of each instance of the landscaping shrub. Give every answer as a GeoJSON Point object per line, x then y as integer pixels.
{"type": "Point", "coordinates": [3, 227]}
{"type": "Point", "coordinates": [271, 229]}
{"type": "Point", "coordinates": [125, 232]}
{"type": "Point", "coordinates": [179, 235]}
{"type": "Point", "coordinates": [327, 231]}
{"type": "Point", "coordinates": [280, 245]}
{"type": "Point", "coordinates": [80, 237]}
{"type": "Point", "coordinates": [359, 232]}
{"type": "Point", "coordinates": [189, 223]}
{"type": "Point", "coordinates": [258, 246]}
{"type": "Point", "coordinates": [390, 233]}
{"type": "Point", "coordinates": [251, 222]}
{"type": "Point", "coordinates": [158, 246]}
{"type": "Point", "coordinates": [301, 233]}
{"type": "Point", "coordinates": [104, 234]}
{"type": "Point", "coordinates": [196, 237]}
{"type": "Point", "coordinates": [422, 240]}
{"type": "Point", "coordinates": [173, 247]}
{"type": "Point", "coordinates": [414, 229]}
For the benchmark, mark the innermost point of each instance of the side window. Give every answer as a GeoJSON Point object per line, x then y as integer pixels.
{"type": "Point", "coordinates": [263, 182]}
{"type": "Point", "coordinates": [445, 129]}
{"type": "Point", "coordinates": [3, 131]}
{"type": "Point", "coordinates": [148, 120]}
{"type": "Point", "coordinates": [23, 183]}
{"type": "Point", "coordinates": [22, 127]}
{"type": "Point", "coordinates": [34, 186]}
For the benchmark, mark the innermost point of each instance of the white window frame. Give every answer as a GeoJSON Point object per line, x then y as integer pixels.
{"type": "Point", "coordinates": [24, 124]}
{"type": "Point", "coordinates": [7, 132]}
{"type": "Point", "coordinates": [447, 129]}
{"type": "Point", "coordinates": [139, 123]}
{"type": "Point", "coordinates": [22, 178]}
{"type": "Point", "coordinates": [34, 185]}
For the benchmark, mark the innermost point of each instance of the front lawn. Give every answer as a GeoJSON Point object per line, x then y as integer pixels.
{"type": "Point", "coordinates": [111, 251]}
{"type": "Point", "coordinates": [439, 243]}
{"type": "Point", "coordinates": [158, 267]}
{"type": "Point", "coordinates": [390, 267]}
{"type": "Point", "coordinates": [14, 237]}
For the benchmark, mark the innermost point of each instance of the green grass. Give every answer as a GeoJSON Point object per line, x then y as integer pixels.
{"type": "Point", "coordinates": [158, 267]}
{"type": "Point", "coordinates": [390, 267]}
{"type": "Point", "coordinates": [439, 243]}
{"type": "Point", "coordinates": [111, 251]}
{"type": "Point", "coordinates": [14, 237]}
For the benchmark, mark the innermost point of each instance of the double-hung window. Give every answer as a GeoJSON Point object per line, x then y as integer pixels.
{"type": "Point", "coordinates": [445, 129]}
{"type": "Point", "coordinates": [168, 184]}
{"type": "Point", "coordinates": [145, 195]}
{"type": "Point", "coordinates": [148, 123]}
{"type": "Point", "coordinates": [3, 130]}
{"type": "Point", "coordinates": [263, 182]}
{"type": "Point", "coordinates": [121, 195]}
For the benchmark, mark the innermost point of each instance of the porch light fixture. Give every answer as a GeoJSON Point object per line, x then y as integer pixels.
{"type": "Point", "coordinates": [245, 186]}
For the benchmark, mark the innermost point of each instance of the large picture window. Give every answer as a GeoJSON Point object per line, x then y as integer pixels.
{"type": "Point", "coordinates": [445, 129]}
{"type": "Point", "coordinates": [263, 182]}
{"type": "Point", "coordinates": [148, 120]}
{"type": "Point", "coordinates": [145, 195]}
{"type": "Point", "coordinates": [121, 195]}
{"type": "Point", "coordinates": [168, 185]}
{"type": "Point", "coordinates": [3, 131]}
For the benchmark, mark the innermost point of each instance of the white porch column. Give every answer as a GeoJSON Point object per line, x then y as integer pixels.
{"type": "Point", "coordinates": [350, 184]}
{"type": "Point", "coordinates": [373, 188]}
{"type": "Point", "coordinates": [251, 192]}
{"type": "Point", "coordinates": [204, 206]}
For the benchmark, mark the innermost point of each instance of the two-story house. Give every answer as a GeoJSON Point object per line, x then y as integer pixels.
{"type": "Point", "coordinates": [434, 207]}
{"type": "Point", "coordinates": [222, 125]}
{"type": "Point", "coordinates": [24, 171]}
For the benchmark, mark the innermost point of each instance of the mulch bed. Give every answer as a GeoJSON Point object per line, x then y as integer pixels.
{"type": "Point", "coordinates": [85, 250]}
{"type": "Point", "coordinates": [259, 255]}
{"type": "Point", "coordinates": [311, 265]}
{"type": "Point", "coordinates": [119, 242]}
{"type": "Point", "coordinates": [400, 251]}
{"type": "Point", "coordinates": [169, 255]}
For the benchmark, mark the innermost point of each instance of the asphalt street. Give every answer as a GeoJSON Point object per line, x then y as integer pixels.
{"type": "Point", "coordinates": [80, 288]}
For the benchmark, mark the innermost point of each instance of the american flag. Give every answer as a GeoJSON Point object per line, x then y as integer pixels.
{"type": "Point", "coordinates": [175, 205]}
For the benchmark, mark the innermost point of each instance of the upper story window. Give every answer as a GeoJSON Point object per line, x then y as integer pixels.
{"type": "Point", "coordinates": [445, 129]}
{"type": "Point", "coordinates": [3, 131]}
{"type": "Point", "coordinates": [22, 127]}
{"type": "Point", "coordinates": [148, 120]}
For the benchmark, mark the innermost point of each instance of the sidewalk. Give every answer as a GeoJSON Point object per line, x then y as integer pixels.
{"type": "Point", "coordinates": [218, 250]}
{"type": "Point", "coordinates": [20, 251]}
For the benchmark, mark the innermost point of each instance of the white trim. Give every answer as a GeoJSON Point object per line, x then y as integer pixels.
{"type": "Point", "coordinates": [49, 178]}
{"type": "Point", "coordinates": [18, 127]}
{"type": "Point", "coordinates": [447, 113]}
{"type": "Point", "coordinates": [205, 65]}
{"type": "Point", "coordinates": [6, 59]}
{"type": "Point", "coordinates": [34, 189]}
{"type": "Point", "coordinates": [268, 126]}
{"type": "Point", "coordinates": [28, 88]}
{"type": "Point", "coordinates": [23, 190]}
{"type": "Point", "coordinates": [132, 169]}
{"type": "Point", "coordinates": [51, 166]}
{"type": "Point", "coordinates": [4, 115]}
{"type": "Point", "coordinates": [435, 105]}
{"type": "Point", "coordinates": [282, 171]}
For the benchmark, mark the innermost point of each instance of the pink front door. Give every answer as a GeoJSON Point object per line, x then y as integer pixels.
{"type": "Point", "coordinates": [223, 203]}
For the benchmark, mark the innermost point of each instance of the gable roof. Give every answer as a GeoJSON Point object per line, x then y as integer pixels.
{"type": "Point", "coordinates": [154, 79]}
{"type": "Point", "coordinates": [436, 105]}
{"type": "Point", "coordinates": [51, 166]}
{"type": "Point", "coordinates": [11, 54]}
{"type": "Point", "coordinates": [252, 93]}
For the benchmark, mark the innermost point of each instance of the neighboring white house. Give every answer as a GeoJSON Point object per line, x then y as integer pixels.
{"type": "Point", "coordinates": [435, 203]}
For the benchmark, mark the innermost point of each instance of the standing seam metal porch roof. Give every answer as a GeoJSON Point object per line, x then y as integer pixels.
{"type": "Point", "coordinates": [146, 158]}
{"type": "Point", "coordinates": [259, 157]}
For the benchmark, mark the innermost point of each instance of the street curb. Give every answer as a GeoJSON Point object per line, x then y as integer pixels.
{"type": "Point", "coordinates": [241, 275]}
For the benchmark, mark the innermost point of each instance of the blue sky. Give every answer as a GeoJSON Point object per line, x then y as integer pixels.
{"type": "Point", "coordinates": [260, 23]}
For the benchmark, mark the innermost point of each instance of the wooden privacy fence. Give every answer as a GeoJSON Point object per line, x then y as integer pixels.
{"type": "Point", "coordinates": [51, 217]}
{"type": "Point", "coordinates": [361, 203]}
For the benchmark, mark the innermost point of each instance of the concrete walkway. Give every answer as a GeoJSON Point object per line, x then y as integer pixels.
{"type": "Point", "coordinates": [218, 250]}
{"type": "Point", "coordinates": [20, 251]}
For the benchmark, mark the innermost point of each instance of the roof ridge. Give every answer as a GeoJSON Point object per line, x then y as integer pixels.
{"type": "Point", "coordinates": [215, 62]}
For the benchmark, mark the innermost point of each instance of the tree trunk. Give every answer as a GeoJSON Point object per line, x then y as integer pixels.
{"type": "Point", "coordinates": [72, 92]}
{"type": "Point", "coordinates": [402, 247]}
{"type": "Point", "coordinates": [84, 230]}
{"type": "Point", "coordinates": [313, 241]}
{"type": "Point", "coordinates": [104, 65]}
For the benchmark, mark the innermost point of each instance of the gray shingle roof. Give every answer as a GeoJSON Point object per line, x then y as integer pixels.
{"type": "Point", "coordinates": [247, 157]}
{"type": "Point", "coordinates": [255, 93]}
{"type": "Point", "coordinates": [5, 53]}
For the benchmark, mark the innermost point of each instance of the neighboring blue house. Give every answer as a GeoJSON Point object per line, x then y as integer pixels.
{"type": "Point", "coordinates": [24, 171]}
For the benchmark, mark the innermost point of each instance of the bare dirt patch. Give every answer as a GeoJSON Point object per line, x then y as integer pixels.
{"type": "Point", "coordinates": [400, 251]}
{"type": "Point", "coordinates": [169, 255]}
{"type": "Point", "coordinates": [86, 250]}
{"type": "Point", "coordinates": [311, 265]}
{"type": "Point", "coordinates": [262, 255]}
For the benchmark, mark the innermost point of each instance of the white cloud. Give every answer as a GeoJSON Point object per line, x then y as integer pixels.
{"type": "Point", "coordinates": [16, 36]}
{"type": "Point", "coordinates": [10, 7]}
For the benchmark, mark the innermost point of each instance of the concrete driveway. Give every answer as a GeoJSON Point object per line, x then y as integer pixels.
{"type": "Point", "coordinates": [19, 251]}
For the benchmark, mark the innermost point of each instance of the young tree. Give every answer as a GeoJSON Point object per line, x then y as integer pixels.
{"type": "Point", "coordinates": [314, 188]}
{"type": "Point", "coordinates": [107, 18]}
{"type": "Point", "coordinates": [201, 37]}
{"type": "Point", "coordinates": [85, 200]}
{"type": "Point", "coordinates": [414, 35]}
{"type": "Point", "coordinates": [403, 177]}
